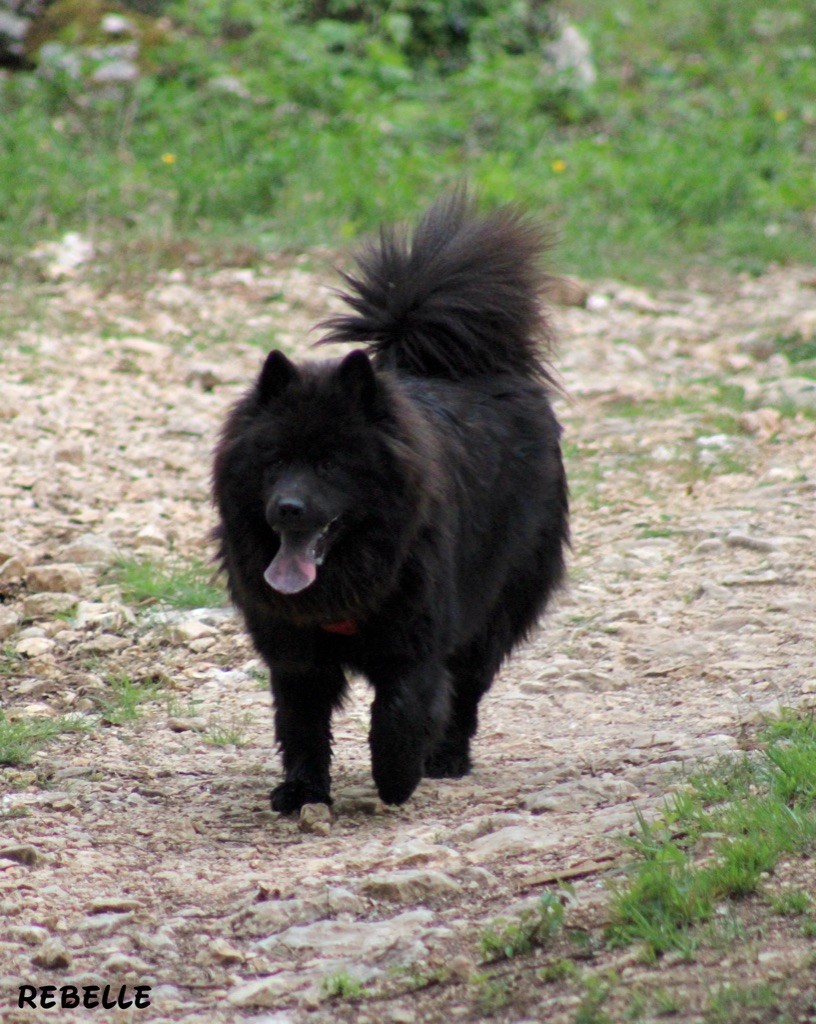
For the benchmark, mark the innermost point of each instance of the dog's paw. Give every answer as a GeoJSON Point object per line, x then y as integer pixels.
{"type": "Point", "coordinates": [448, 763]}
{"type": "Point", "coordinates": [396, 787]}
{"type": "Point", "coordinates": [289, 797]}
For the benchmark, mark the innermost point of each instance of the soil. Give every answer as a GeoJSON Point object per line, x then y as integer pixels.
{"type": "Point", "coordinates": [145, 852]}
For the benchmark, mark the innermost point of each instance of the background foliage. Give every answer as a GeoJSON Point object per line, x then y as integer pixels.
{"type": "Point", "coordinates": [286, 124]}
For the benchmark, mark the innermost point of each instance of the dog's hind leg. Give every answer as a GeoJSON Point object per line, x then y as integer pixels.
{"type": "Point", "coordinates": [407, 717]}
{"type": "Point", "coordinates": [474, 665]}
{"type": "Point", "coordinates": [472, 672]}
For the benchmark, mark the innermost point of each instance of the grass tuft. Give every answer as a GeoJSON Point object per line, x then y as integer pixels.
{"type": "Point", "coordinates": [341, 985]}
{"type": "Point", "coordinates": [504, 940]}
{"type": "Point", "coordinates": [737, 820]}
{"type": "Point", "coordinates": [21, 737]}
{"type": "Point", "coordinates": [188, 585]}
{"type": "Point", "coordinates": [125, 697]}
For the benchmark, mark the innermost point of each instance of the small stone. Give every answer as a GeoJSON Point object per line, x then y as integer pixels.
{"type": "Point", "coordinates": [73, 454]}
{"type": "Point", "coordinates": [410, 885]}
{"type": "Point", "coordinates": [358, 800]}
{"type": "Point", "coordinates": [120, 964]}
{"type": "Point", "coordinates": [398, 938]}
{"type": "Point", "coordinates": [62, 804]}
{"type": "Point", "coordinates": [462, 966]}
{"type": "Point", "coordinates": [205, 378]}
{"type": "Point", "coordinates": [222, 950]}
{"type": "Point", "coordinates": [190, 629]}
{"type": "Point", "coordinates": [116, 25]}
{"type": "Point", "coordinates": [707, 546]}
{"type": "Point", "coordinates": [762, 578]}
{"type": "Point", "coordinates": [114, 905]}
{"type": "Point", "coordinates": [203, 644]}
{"type": "Point", "coordinates": [57, 578]}
{"type": "Point", "coordinates": [91, 549]}
{"type": "Point", "coordinates": [760, 421]}
{"type": "Point", "coordinates": [401, 1015]}
{"type": "Point", "coordinates": [47, 605]}
{"type": "Point", "coordinates": [23, 854]}
{"type": "Point", "coordinates": [30, 934]}
{"type": "Point", "coordinates": [511, 840]}
{"type": "Point", "coordinates": [268, 991]}
{"type": "Point", "coordinates": [52, 955]}
{"type": "Point", "coordinates": [150, 536]}
{"type": "Point", "coordinates": [541, 803]}
{"type": "Point", "coordinates": [263, 919]}
{"type": "Point", "coordinates": [34, 646]}
{"type": "Point", "coordinates": [744, 540]}
{"type": "Point", "coordinates": [9, 620]}
{"type": "Point", "coordinates": [192, 724]}
{"type": "Point", "coordinates": [315, 818]}
{"type": "Point", "coordinates": [12, 570]}
{"type": "Point", "coordinates": [102, 615]}
{"type": "Point", "coordinates": [105, 923]}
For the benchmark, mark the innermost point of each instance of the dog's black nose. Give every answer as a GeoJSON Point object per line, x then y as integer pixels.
{"type": "Point", "coordinates": [289, 510]}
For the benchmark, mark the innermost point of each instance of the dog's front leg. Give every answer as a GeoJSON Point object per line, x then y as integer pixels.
{"type": "Point", "coordinates": [304, 701]}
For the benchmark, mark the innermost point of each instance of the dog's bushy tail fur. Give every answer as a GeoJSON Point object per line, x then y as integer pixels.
{"type": "Point", "coordinates": [459, 298]}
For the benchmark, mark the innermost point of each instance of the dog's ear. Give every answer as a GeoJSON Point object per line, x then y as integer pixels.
{"type": "Point", "coordinates": [277, 374]}
{"type": "Point", "coordinates": [357, 378]}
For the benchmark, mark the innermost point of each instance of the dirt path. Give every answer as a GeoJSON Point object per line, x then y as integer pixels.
{"type": "Point", "coordinates": [149, 855]}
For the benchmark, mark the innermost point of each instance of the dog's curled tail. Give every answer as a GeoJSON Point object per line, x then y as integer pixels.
{"type": "Point", "coordinates": [459, 298]}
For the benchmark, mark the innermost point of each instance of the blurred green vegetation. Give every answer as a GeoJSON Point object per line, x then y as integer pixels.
{"type": "Point", "coordinates": [288, 124]}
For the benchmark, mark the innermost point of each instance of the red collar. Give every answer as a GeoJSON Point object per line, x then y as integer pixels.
{"type": "Point", "coordinates": [346, 627]}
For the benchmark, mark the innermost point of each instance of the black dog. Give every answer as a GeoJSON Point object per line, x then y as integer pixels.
{"type": "Point", "coordinates": [403, 514]}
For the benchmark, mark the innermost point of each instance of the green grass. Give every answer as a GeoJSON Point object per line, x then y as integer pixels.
{"type": "Point", "coordinates": [731, 1003]}
{"type": "Point", "coordinates": [792, 904]}
{"type": "Point", "coordinates": [597, 990]}
{"type": "Point", "coordinates": [122, 705]}
{"type": "Point", "coordinates": [226, 734]}
{"type": "Point", "coordinates": [796, 347]}
{"type": "Point", "coordinates": [492, 994]}
{"type": "Point", "coordinates": [178, 585]}
{"type": "Point", "coordinates": [21, 737]}
{"type": "Point", "coordinates": [719, 839]}
{"type": "Point", "coordinates": [504, 940]}
{"type": "Point", "coordinates": [693, 144]}
{"type": "Point", "coordinates": [341, 985]}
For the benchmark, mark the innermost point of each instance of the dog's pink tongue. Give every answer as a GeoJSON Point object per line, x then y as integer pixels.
{"type": "Point", "coordinates": [293, 568]}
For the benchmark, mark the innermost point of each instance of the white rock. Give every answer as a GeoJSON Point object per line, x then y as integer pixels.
{"type": "Point", "coordinates": [91, 549]}
{"type": "Point", "coordinates": [57, 577]}
{"type": "Point", "coordinates": [315, 818]}
{"type": "Point", "coordinates": [9, 620]}
{"type": "Point", "coordinates": [190, 629]}
{"type": "Point", "coordinates": [401, 937]}
{"type": "Point", "coordinates": [514, 839]}
{"type": "Point", "coordinates": [34, 647]}
{"type": "Point", "coordinates": [12, 570]}
{"type": "Point", "coordinates": [150, 536]}
{"type": "Point", "coordinates": [46, 605]}
{"type": "Point", "coordinates": [410, 885]}
{"type": "Point", "coordinates": [270, 990]}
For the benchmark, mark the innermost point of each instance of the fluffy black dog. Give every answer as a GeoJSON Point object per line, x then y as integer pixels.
{"type": "Point", "coordinates": [401, 512]}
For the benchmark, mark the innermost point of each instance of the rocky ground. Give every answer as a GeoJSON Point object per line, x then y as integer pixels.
{"type": "Point", "coordinates": [141, 850]}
